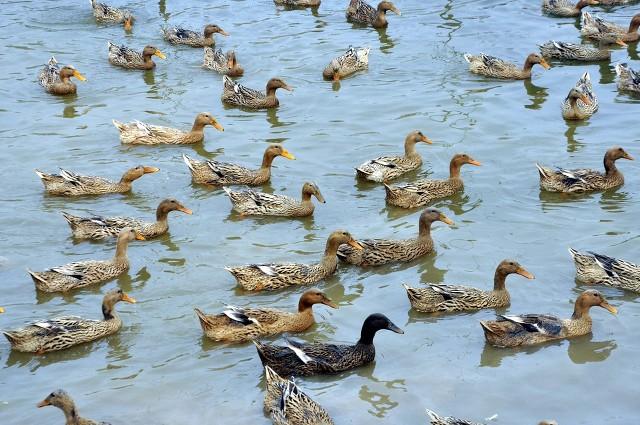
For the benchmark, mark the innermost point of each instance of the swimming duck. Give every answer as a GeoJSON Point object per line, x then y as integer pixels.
{"type": "Point", "coordinates": [239, 95]}
{"type": "Point", "coordinates": [297, 3]}
{"type": "Point", "coordinates": [236, 324]}
{"type": "Point", "coordinates": [56, 80]}
{"type": "Point", "coordinates": [491, 66]}
{"type": "Point", "coordinates": [66, 331]}
{"type": "Point", "coordinates": [565, 8]}
{"type": "Point", "coordinates": [385, 168]}
{"type": "Point", "coordinates": [139, 133]}
{"type": "Point", "coordinates": [592, 268]}
{"type": "Point", "coordinates": [580, 52]}
{"type": "Point", "coordinates": [82, 273]}
{"type": "Point", "coordinates": [581, 102]}
{"type": "Point", "coordinates": [99, 227]}
{"type": "Point", "coordinates": [226, 173]}
{"type": "Point", "coordinates": [628, 79]}
{"type": "Point", "coordinates": [128, 58]}
{"type": "Point", "coordinates": [64, 402]}
{"type": "Point", "coordinates": [452, 298]}
{"type": "Point", "coordinates": [376, 252]}
{"type": "Point", "coordinates": [351, 61]}
{"type": "Point", "coordinates": [176, 35]}
{"type": "Point", "coordinates": [269, 277]}
{"type": "Point", "coordinates": [68, 183]}
{"type": "Point", "coordinates": [300, 359]}
{"type": "Point", "coordinates": [250, 202]}
{"type": "Point", "coordinates": [531, 329]}
{"type": "Point", "coordinates": [596, 27]}
{"type": "Point", "coordinates": [584, 179]}
{"type": "Point", "coordinates": [105, 13]}
{"type": "Point", "coordinates": [227, 64]}
{"type": "Point", "coordinates": [435, 419]}
{"type": "Point", "coordinates": [362, 13]}
{"type": "Point", "coordinates": [423, 191]}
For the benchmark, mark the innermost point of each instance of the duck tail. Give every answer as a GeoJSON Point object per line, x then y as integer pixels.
{"type": "Point", "coordinates": [433, 416]}
{"type": "Point", "coordinates": [227, 191]}
{"type": "Point", "coordinates": [573, 253]}
{"type": "Point", "coordinates": [10, 337]}
{"type": "Point", "coordinates": [541, 170]}
{"type": "Point", "coordinates": [188, 161]}
{"type": "Point", "coordinates": [202, 317]}
{"type": "Point", "coordinates": [621, 69]}
{"type": "Point", "coordinates": [119, 125]}
{"type": "Point", "coordinates": [41, 174]}
{"type": "Point", "coordinates": [260, 349]}
{"type": "Point", "coordinates": [35, 277]}
{"type": "Point", "coordinates": [271, 375]}
{"type": "Point", "coordinates": [486, 327]}
{"type": "Point", "coordinates": [468, 57]}
{"type": "Point", "coordinates": [71, 219]}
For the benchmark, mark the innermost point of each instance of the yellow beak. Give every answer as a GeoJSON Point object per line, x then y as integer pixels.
{"type": "Point", "coordinates": [544, 64]}
{"type": "Point", "coordinates": [140, 237]}
{"type": "Point", "coordinates": [126, 298]}
{"type": "Point", "coordinates": [149, 170]}
{"type": "Point", "coordinates": [159, 54]}
{"type": "Point", "coordinates": [356, 245]}
{"type": "Point", "coordinates": [523, 272]}
{"type": "Point", "coordinates": [287, 154]}
{"type": "Point", "coordinates": [217, 125]}
{"type": "Point", "coordinates": [446, 219]}
{"type": "Point", "coordinates": [79, 76]}
{"type": "Point", "coordinates": [611, 309]}
{"type": "Point", "coordinates": [185, 210]}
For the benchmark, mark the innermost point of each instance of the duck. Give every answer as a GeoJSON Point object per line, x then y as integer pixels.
{"type": "Point", "coordinates": [68, 183]}
{"type": "Point", "coordinates": [126, 57]}
{"type": "Point", "coordinates": [67, 331]}
{"type": "Point", "coordinates": [360, 12]}
{"type": "Point", "coordinates": [493, 67]}
{"type": "Point", "coordinates": [227, 64]}
{"type": "Point", "coordinates": [423, 191]}
{"type": "Point", "coordinates": [100, 227]}
{"type": "Point", "coordinates": [628, 79]}
{"type": "Point", "coordinates": [385, 168]}
{"type": "Point", "coordinates": [250, 202]}
{"type": "Point", "coordinates": [593, 268]}
{"type": "Point", "coordinates": [566, 9]}
{"type": "Point", "coordinates": [581, 102]}
{"type": "Point", "coordinates": [353, 60]}
{"type": "Point", "coordinates": [139, 133]}
{"type": "Point", "coordinates": [584, 179]}
{"type": "Point", "coordinates": [301, 359]}
{"type": "Point", "coordinates": [226, 173]}
{"type": "Point", "coordinates": [376, 252]}
{"type": "Point", "coordinates": [297, 3]}
{"type": "Point", "coordinates": [237, 324]}
{"type": "Point", "coordinates": [435, 419]}
{"type": "Point", "coordinates": [596, 27]}
{"type": "Point", "coordinates": [109, 14]}
{"type": "Point", "coordinates": [269, 277]}
{"type": "Point", "coordinates": [56, 80]}
{"type": "Point", "coordinates": [579, 52]}
{"type": "Point", "coordinates": [454, 298]}
{"type": "Point", "coordinates": [239, 95]}
{"type": "Point", "coordinates": [176, 35]}
{"type": "Point", "coordinates": [532, 329]}
{"type": "Point", "coordinates": [83, 273]}
{"type": "Point", "coordinates": [63, 401]}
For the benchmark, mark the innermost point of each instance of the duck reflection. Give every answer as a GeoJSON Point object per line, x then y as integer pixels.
{"type": "Point", "coordinates": [538, 95]}
{"type": "Point", "coordinates": [574, 145]}
{"type": "Point", "coordinates": [380, 400]}
{"type": "Point", "coordinates": [149, 78]}
{"type": "Point", "coordinates": [386, 42]}
{"type": "Point", "coordinates": [614, 200]}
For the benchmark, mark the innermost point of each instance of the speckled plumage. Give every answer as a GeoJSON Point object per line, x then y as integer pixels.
{"type": "Point", "coordinates": [250, 202]}
{"type": "Point", "coordinates": [580, 52]}
{"type": "Point", "coordinates": [109, 14]}
{"type": "Point", "coordinates": [126, 57]}
{"type": "Point", "coordinates": [353, 60]}
{"type": "Point", "coordinates": [217, 61]}
{"type": "Point", "coordinates": [599, 269]}
{"type": "Point", "coordinates": [595, 27]}
{"type": "Point", "coordinates": [64, 402]}
{"type": "Point", "coordinates": [139, 133]}
{"type": "Point", "coordinates": [297, 3]}
{"type": "Point", "coordinates": [491, 66]}
{"type": "Point", "coordinates": [581, 102]}
{"type": "Point", "coordinates": [628, 79]}
{"type": "Point", "coordinates": [435, 419]}
{"type": "Point", "coordinates": [361, 12]}
{"type": "Point", "coordinates": [238, 95]}
{"type": "Point", "coordinates": [56, 80]}
{"type": "Point", "coordinates": [176, 35]}
{"type": "Point", "coordinates": [566, 8]}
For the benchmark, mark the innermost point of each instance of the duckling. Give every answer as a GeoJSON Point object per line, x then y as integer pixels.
{"type": "Point", "coordinates": [376, 252]}
{"type": "Point", "coordinates": [64, 402]}
{"type": "Point", "coordinates": [596, 27]}
{"type": "Point", "coordinates": [176, 35]}
{"type": "Point", "coordinates": [531, 329]}
{"type": "Point", "coordinates": [385, 168]}
{"type": "Point", "coordinates": [105, 13]}
{"type": "Point", "coordinates": [592, 268]}
{"type": "Point", "coordinates": [423, 191]}
{"type": "Point", "coordinates": [258, 277]}
{"type": "Point", "coordinates": [82, 273]}
{"type": "Point", "coordinates": [580, 52]}
{"type": "Point", "coordinates": [250, 202]}
{"type": "Point", "coordinates": [297, 3]}
{"type": "Point", "coordinates": [353, 60]}
{"type": "Point", "coordinates": [225, 173]}
{"type": "Point", "coordinates": [56, 80]}
{"type": "Point", "coordinates": [139, 133]}
{"type": "Point", "coordinates": [239, 95]}
{"type": "Point", "coordinates": [222, 64]}
{"type": "Point", "coordinates": [584, 179]}
{"type": "Point", "coordinates": [628, 79]}
{"type": "Point", "coordinates": [362, 13]}
{"type": "Point", "coordinates": [491, 66]}
{"type": "Point", "coordinates": [128, 58]}
{"type": "Point", "coordinates": [565, 8]}
{"type": "Point", "coordinates": [68, 183]}
{"type": "Point", "coordinates": [581, 102]}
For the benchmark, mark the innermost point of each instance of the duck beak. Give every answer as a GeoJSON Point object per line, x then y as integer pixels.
{"type": "Point", "coordinates": [1, 310]}
{"type": "Point", "coordinates": [150, 170]}
{"type": "Point", "coordinates": [396, 11]}
{"type": "Point", "coordinates": [43, 403]}
{"type": "Point", "coordinates": [426, 140]}
{"type": "Point", "coordinates": [544, 63]}
{"type": "Point", "coordinates": [355, 244]}
{"type": "Point", "coordinates": [585, 99]}
{"type": "Point", "coordinates": [329, 303]}
{"type": "Point", "coordinates": [185, 210]}
{"type": "Point", "coordinates": [287, 87]}
{"type": "Point", "coordinates": [445, 219]}
{"type": "Point", "coordinates": [611, 309]}
{"type": "Point", "coordinates": [523, 272]}
{"type": "Point", "coordinates": [320, 198]}
{"type": "Point", "coordinates": [394, 328]}
{"type": "Point", "coordinates": [159, 54]}
{"type": "Point", "coordinates": [336, 76]}
{"type": "Point", "coordinates": [217, 125]}
{"type": "Point", "coordinates": [79, 76]}
{"type": "Point", "coordinates": [126, 298]}
{"type": "Point", "coordinates": [140, 237]}
{"type": "Point", "coordinates": [223, 32]}
{"type": "Point", "coordinates": [287, 154]}
{"type": "Point", "coordinates": [474, 162]}
{"type": "Point", "coordinates": [627, 156]}
{"type": "Point", "coordinates": [128, 24]}
{"type": "Point", "coordinates": [621, 43]}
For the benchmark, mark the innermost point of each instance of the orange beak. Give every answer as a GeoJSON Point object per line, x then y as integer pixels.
{"type": "Point", "coordinates": [43, 403]}
{"type": "Point", "coordinates": [523, 272]}
{"type": "Point", "coordinates": [474, 162]}
{"type": "Point", "coordinates": [149, 170]}
{"type": "Point", "coordinates": [544, 63]}
{"type": "Point", "coordinates": [330, 303]}
{"type": "Point", "coordinates": [356, 245]}
{"type": "Point", "coordinates": [217, 125]}
{"type": "Point", "coordinates": [126, 298]}
{"type": "Point", "coordinates": [185, 210]}
{"type": "Point", "coordinates": [446, 219]}
{"type": "Point", "coordinates": [621, 43]}
{"type": "Point", "coordinates": [611, 309]}
{"type": "Point", "coordinates": [140, 237]}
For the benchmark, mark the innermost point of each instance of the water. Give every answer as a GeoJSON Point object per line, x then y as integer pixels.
{"type": "Point", "coordinates": [158, 369]}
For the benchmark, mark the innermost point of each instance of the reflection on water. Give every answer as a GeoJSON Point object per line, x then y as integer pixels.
{"type": "Point", "coordinates": [574, 145]}
{"type": "Point", "coordinates": [149, 78]}
{"type": "Point", "coordinates": [537, 94]}
{"type": "Point", "coordinates": [386, 42]}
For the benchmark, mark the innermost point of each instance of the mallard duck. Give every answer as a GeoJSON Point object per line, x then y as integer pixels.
{"type": "Point", "coordinates": [628, 79]}
{"type": "Point", "coordinates": [565, 8]}
{"type": "Point", "coordinates": [250, 202]}
{"type": "Point", "coordinates": [435, 419]}
{"type": "Point", "coordinates": [300, 359]}
{"type": "Point", "coordinates": [376, 252]}
{"type": "Point", "coordinates": [82, 273]}
{"type": "Point", "coordinates": [66, 331]}
{"type": "Point", "coordinates": [531, 329]}
{"type": "Point", "coordinates": [581, 102]}
{"type": "Point", "coordinates": [176, 35]}
{"type": "Point", "coordinates": [362, 13]}
{"type": "Point", "coordinates": [68, 183]}
{"type": "Point", "coordinates": [236, 324]}
{"type": "Point", "coordinates": [64, 402]}
{"type": "Point", "coordinates": [269, 277]}
{"type": "Point", "coordinates": [239, 95]}
{"type": "Point", "coordinates": [128, 58]}
{"type": "Point", "coordinates": [298, 3]}
{"type": "Point", "coordinates": [99, 227]}
{"type": "Point", "coordinates": [592, 268]}
{"type": "Point", "coordinates": [105, 13]}
{"type": "Point", "coordinates": [221, 63]}
{"type": "Point", "coordinates": [385, 168]}
{"type": "Point", "coordinates": [584, 179]}
{"type": "Point", "coordinates": [226, 173]}
{"type": "Point", "coordinates": [139, 133]}
{"type": "Point", "coordinates": [56, 80]}
{"type": "Point", "coordinates": [452, 298]}
{"type": "Point", "coordinates": [491, 66]}
{"type": "Point", "coordinates": [423, 191]}
{"type": "Point", "coordinates": [580, 52]}
{"type": "Point", "coordinates": [351, 61]}
{"type": "Point", "coordinates": [596, 27]}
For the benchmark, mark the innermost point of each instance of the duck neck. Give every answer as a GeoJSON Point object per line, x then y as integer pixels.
{"type": "Point", "coordinates": [528, 65]}
{"type": "Point", "coordinates": [198, 127]}
{"type": "Point", "coordinates": [366, 335]}
{"type": "Point", "coordinates": [581, 313]}
{"type": "Point", "coordinates": [633, 28]}
{"type": "Point", "coordinates": [581, 4]}
{"type": "Point", "coordinates": [610, 166]}
{"type": "Point", "coordinates": [381, 17]}
{"type": "Point", "coordinates": [424, 229]}
{"type": "Point", "coordinates": [121, 251]}
{"type": "Point", "coordinates": [161, 215]}
{"type": "Point", "coordinates": [454, 170]}
{"type": "Point", "coordinates": [71, 415]}
{"type": "Point", "coordinates": [267, 160]}
{"type": "Point", "coordinates": [410, 148]}
{"type": "Point", "coordinates": [65, 79]}
{"type": "Point", "coordinates": [304, 307]}
{"type": "Point", "coordinates": [271, 91]}
{"type": "Point", "coordinates": [330, 260]}
{"type": "Point", "coordinates": [499, 279]}
{"type": "Point", "coordinates": [108, 311]}
{"type": "Point", "coordinates": [147, 60]}
{"type": "Point", "coordinates": [306, 197]}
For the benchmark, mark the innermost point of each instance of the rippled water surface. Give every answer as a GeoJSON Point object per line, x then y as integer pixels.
{"type": "Point", "coordinates": [159, 369]}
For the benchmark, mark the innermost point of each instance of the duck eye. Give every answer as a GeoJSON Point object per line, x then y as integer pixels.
{"type": "Point", "coordinates": [52, 395]}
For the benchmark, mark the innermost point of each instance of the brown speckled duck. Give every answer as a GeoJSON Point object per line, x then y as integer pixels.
{"type": "Point", "coordinates": [493, 67]}
{"type": "Point", "coordinates": [297, 3]}
{"type": "Point", "coordinates": [217, 61]}
{"type": "Point", "coordinates": [139, 133]}
{"type": "Point", "coordinates": [361, 12]}
{"type": "Point", "coordinates": [56, 80]}
{"type": "Point", "coordinates": [565, 8]}
{"type": "Point", "coordinates": [595, 27]}
{"type": "Point", "coordinates": [599, 269]}
{"type": "Point", "coordinates": [105, 13]}
{"type": "Point", "coordinates": [64, 402]}
{"type": "Point", "coordinates": [176, 35]}
{"type": "Point", "coordinates": [250, 202]}
{"type": "Point", "coordinates": [126, 57]}
{"type": "Point", "coordinates": [436, 419]}
{"type": "Point", "coordinates": [239, 95]}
